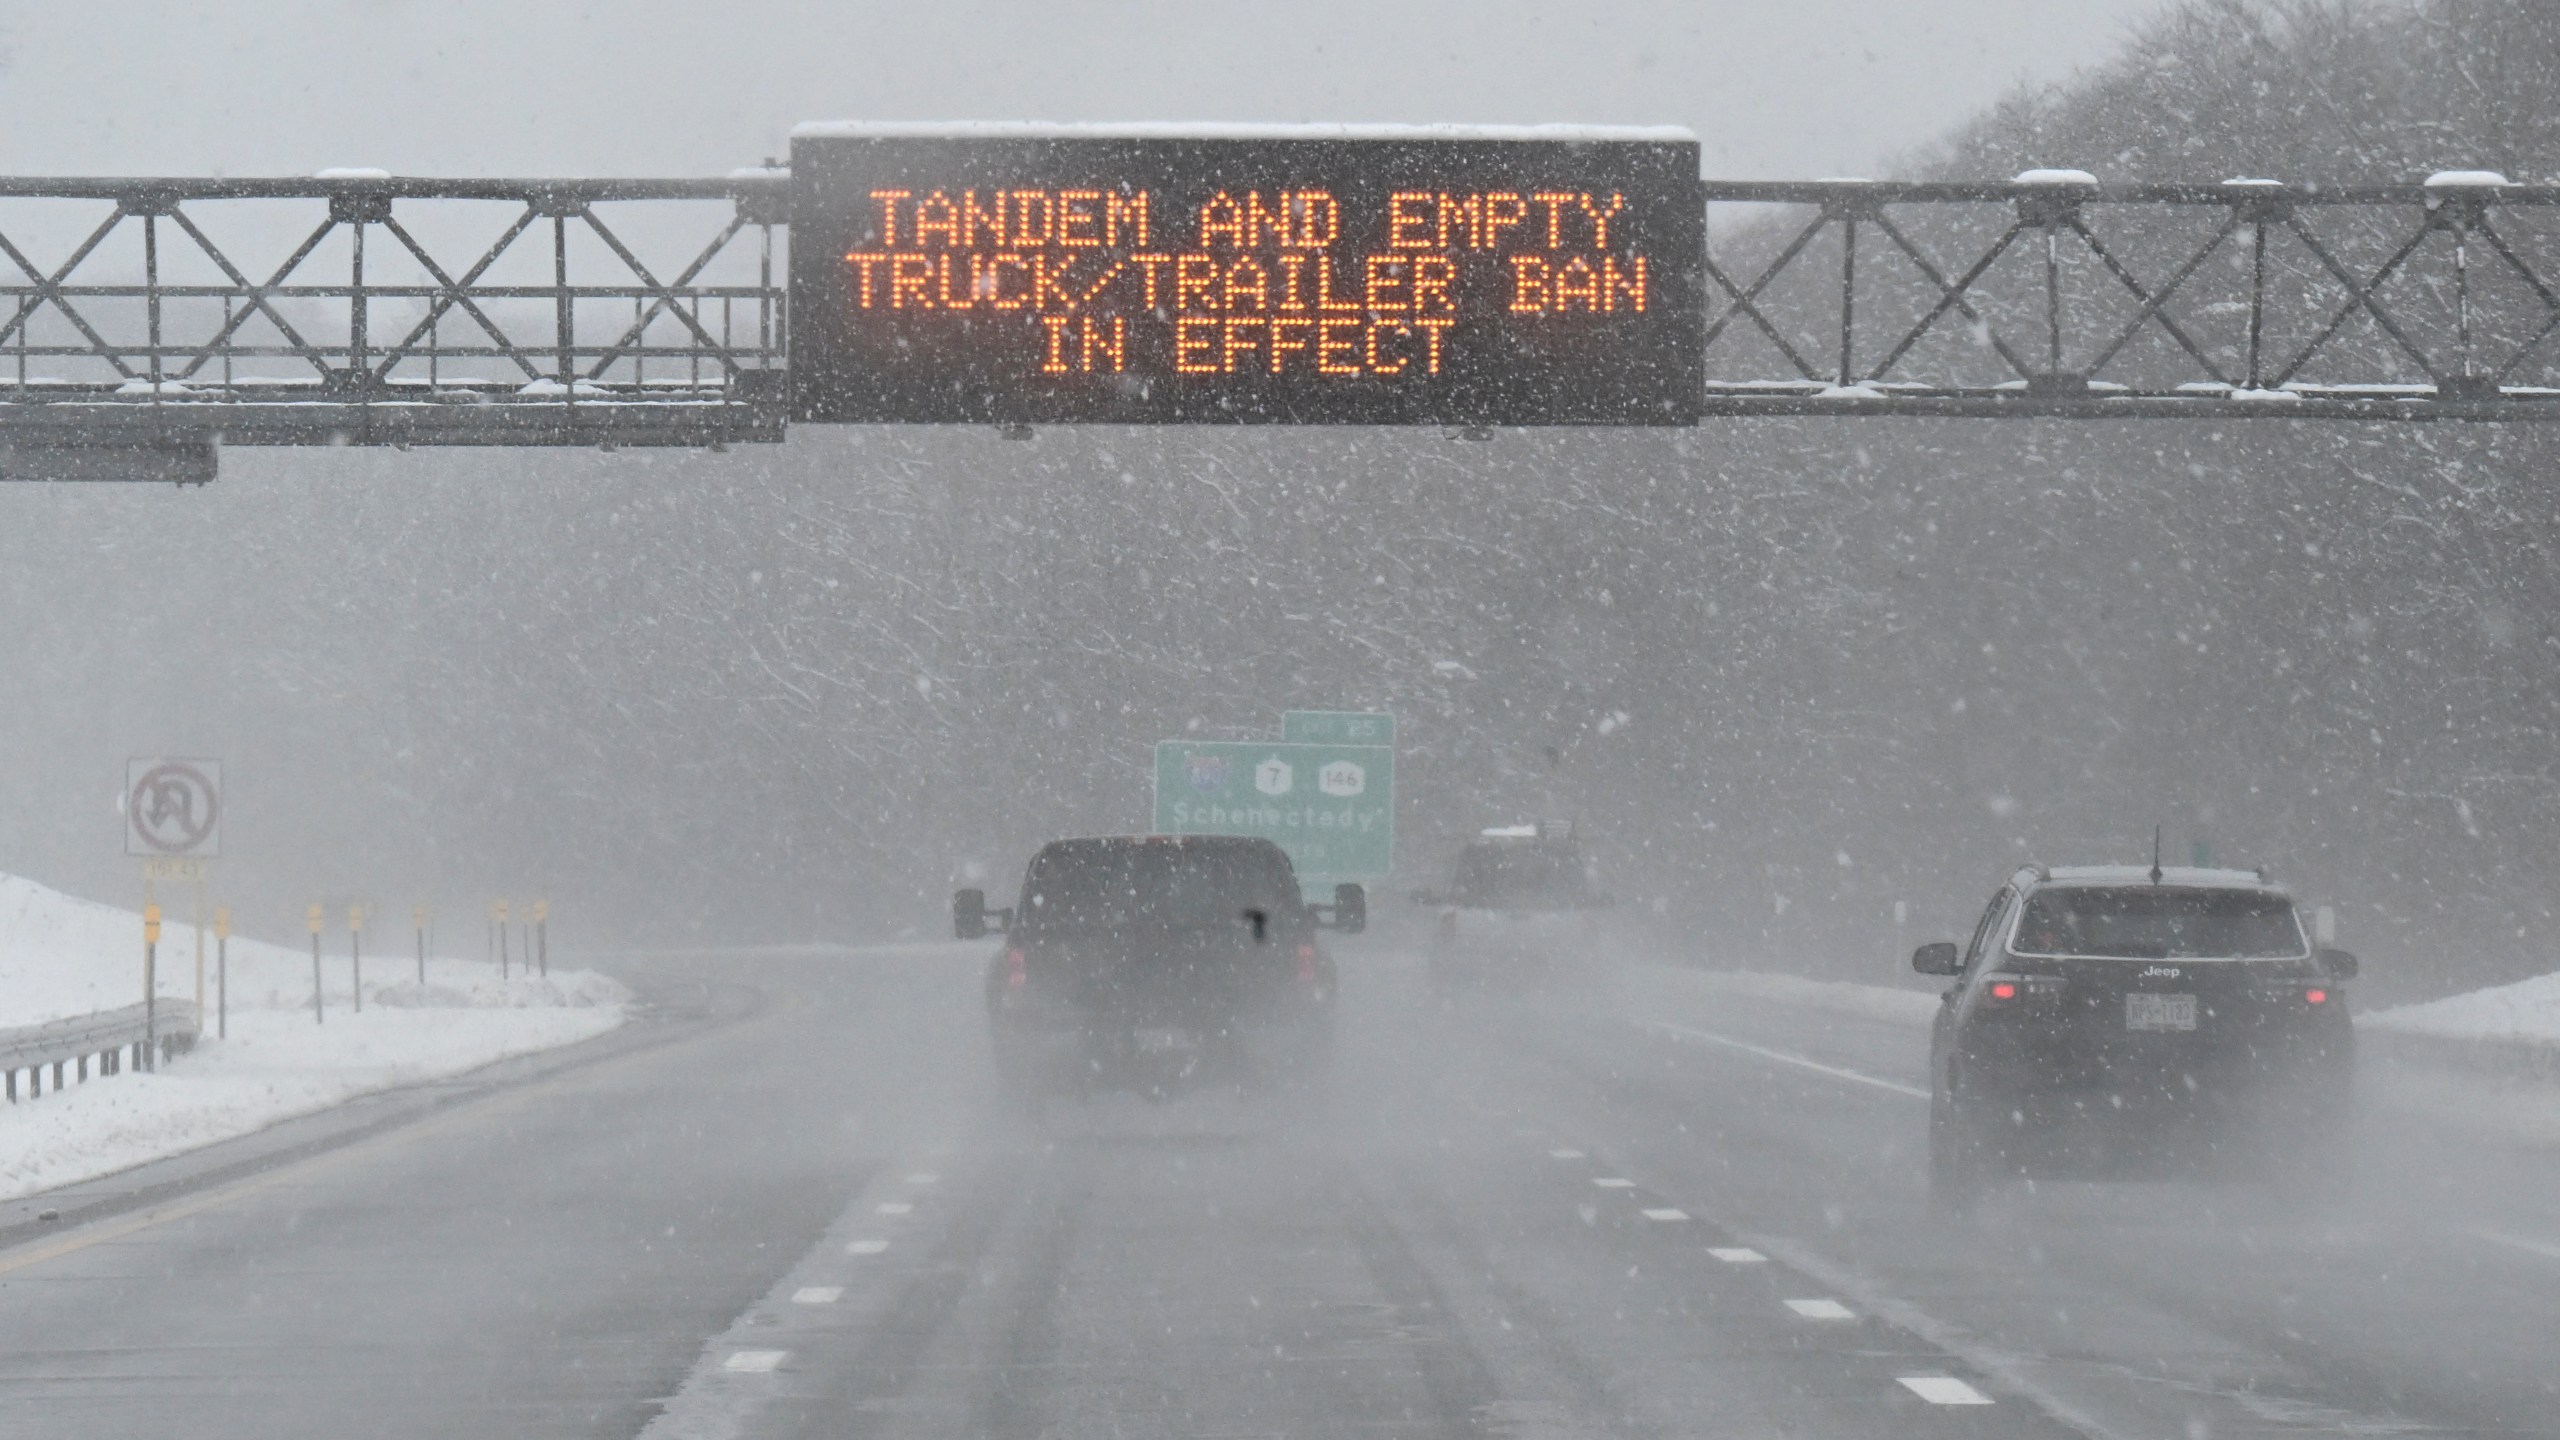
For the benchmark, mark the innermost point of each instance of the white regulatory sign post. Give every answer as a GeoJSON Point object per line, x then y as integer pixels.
{"type": "Point", "coordinates": [173, 807]}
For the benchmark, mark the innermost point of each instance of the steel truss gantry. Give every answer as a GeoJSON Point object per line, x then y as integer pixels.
{"type": "Point", "coordinates": [144, 323]}
{"type": "Point", "coordinates": [2054, 295]}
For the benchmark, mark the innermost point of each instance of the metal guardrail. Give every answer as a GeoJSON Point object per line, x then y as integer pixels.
{"type": "Point", "coordinates": [109, 1037]}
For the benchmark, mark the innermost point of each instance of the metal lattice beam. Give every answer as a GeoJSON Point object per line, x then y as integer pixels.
{"type": "Point", "coordinates": [2069, 298]}
{"type": "Point", "coordinates": [164, 318]}
{"type": "Point", "coordinates": [144, 323]}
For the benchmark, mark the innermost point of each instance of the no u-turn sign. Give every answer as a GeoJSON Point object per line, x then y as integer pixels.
{"type": "Point", "coordinates": [173, 806]}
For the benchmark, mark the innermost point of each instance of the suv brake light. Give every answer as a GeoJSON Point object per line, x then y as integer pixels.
{"type": "Point", "coordinates": [1017, 968]}
{"type": "Point", "coordinates": [1306, 964]}
{"type": "Point", "coordinates": [2010, 989]}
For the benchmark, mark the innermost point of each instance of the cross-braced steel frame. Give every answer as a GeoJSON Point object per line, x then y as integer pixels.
{"type": "Point", "coordinates": [2243, 299]}
{"type": "Point", "coordinates": [144, 323]}
{"type": "Point", "coordinates": [143, 318]}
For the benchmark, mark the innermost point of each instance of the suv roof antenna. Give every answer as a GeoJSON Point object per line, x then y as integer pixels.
{"type": "Point", "coordinates": [2155, 854]}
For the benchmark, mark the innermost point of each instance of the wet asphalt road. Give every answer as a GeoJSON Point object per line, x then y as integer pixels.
{"type": "Point", "coordinates": [788, 1204]}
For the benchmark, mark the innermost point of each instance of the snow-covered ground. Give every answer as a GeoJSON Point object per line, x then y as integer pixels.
{"type": "Point", "coordinates": [2526, 1012]}
{"type": "Point", "coordinates": [62, 956]}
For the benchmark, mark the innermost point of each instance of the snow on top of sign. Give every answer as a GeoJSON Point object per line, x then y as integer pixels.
{"type": "Point", "coordinates": [351, 172]}
{"type": "Point", "coordinates": [2054, 177]}
{"type": "Point", "coordinates": [2466, 180]}
{"type": "Point", "coordinates": [1199, 130]}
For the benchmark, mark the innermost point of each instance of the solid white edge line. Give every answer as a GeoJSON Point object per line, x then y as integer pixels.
{"type": "Point", "coordinates": [1822, 1310]}
{"type": "Point", "coordinates": [817, 1295]}
{"type": "Point", "coordinates": [1614, 1182]}
{"type": "Point", "coordinates": [755, 1362]}
{"type": "Point", "coordinates": [1666, 1214]}
{"type": "Point", "coordinates": [1737, 1255]}
{"type": "Point", "coordinates": [1782, 1057]}
{"type": "Point", "coordinates": [1943, 1390]}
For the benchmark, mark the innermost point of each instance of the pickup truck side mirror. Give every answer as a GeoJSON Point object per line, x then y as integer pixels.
{"type": "Point", "coordinates": [970, 917]}
{"type": "Point", "coordinates": [1938, 957]}
{"type": "Point", "coordinates": [2341, 964]}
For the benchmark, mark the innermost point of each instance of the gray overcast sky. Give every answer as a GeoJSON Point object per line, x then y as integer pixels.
{"type": "Point", "coordinates": [679, 87]}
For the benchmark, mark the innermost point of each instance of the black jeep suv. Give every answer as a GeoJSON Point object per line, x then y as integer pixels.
{"type": "Point", "coordinates": [1157, 964]}
{"type": "Point", "coordinates": [2118, 1022]}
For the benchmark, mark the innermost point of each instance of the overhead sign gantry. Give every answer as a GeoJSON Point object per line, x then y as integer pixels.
{"type": "Point", "coordinates": [1015, 274]}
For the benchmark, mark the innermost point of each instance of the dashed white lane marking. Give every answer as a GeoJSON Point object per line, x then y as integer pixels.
{"type": "Point", "coordinates": [2543, 1248]}
{"type": "Point", "coordinates": [1737, 1255]}
{"type": "Point", "coordinates": [1821, 1310]}
{"type": "Point", "coordinates": [1782, 1057]}
{"type": "Point", "coordinates": [817, 1295]}
{"type": "Point", "coordinates": [865, 1247]}
{"type": "Point", "coordinates": [1666, 1213]}
{"type": "Point", "coordinates": [765, 1362]}
{"type": "Point", "coordinates": [1564, 1154]}
{"type": "Point", "coordinates": [1943, 1390]}
{"type": "Point", "coordinates": [1612, 1182]}
{"type": "Point", "coordinates": [894, 1207]}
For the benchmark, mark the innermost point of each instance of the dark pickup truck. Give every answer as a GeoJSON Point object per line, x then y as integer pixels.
{"type": "Point", "coordinates": [1159, 964]}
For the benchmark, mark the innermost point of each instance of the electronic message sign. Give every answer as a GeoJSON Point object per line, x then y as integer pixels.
{"type": "Point", "coordinates": [1019, 274]}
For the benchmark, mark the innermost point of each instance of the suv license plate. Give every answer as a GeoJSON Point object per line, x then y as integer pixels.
{"type": "Point", "coordinates": [1158, 1042]}
{"type": "Point", "coordinates": [2159, 1012]}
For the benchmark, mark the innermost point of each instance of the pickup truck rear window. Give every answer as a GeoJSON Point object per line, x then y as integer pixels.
{"type": "Point", "coordinates": [1515, 876]}
{"type": "Point", "coordinates": [1120, 885]}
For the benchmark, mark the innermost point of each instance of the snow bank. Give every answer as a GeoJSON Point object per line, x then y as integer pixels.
{"type": "Point", "coordinates": [2526, 1012]}
{"type": "Point", "coordinates": [62, 956]}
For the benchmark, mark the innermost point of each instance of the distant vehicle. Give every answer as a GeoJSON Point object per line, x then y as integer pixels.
{"type": "Point", "coordinates": [2118, 1022]}
{"type": "Point", "coordinates": [1520, 901]}
{"type": "Point", "coordinates": [1159, 964]}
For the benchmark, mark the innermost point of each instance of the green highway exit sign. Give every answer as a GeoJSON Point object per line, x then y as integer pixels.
{"type": "Point", "coordinates": [1337, 727]}
{"type": "Point", "coordinates": [1332, 807]}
